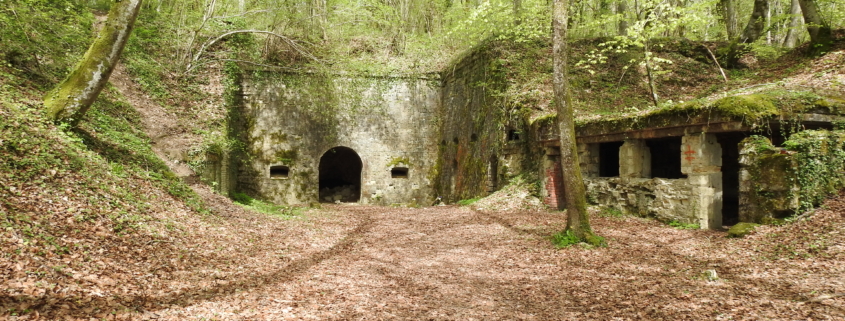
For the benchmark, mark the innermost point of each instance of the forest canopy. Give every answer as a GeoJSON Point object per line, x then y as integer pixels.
{"type": "Point", "coordinates": [382, 36]}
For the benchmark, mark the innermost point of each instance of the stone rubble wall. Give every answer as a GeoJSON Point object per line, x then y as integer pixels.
{"type": "Point", "coordinates": [776, 182]}
{"type": "Point", "coordinates": [664, 199]}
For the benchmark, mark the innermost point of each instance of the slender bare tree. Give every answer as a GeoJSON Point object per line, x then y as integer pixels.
{"type": "Point", "coordinates": [576, 201]}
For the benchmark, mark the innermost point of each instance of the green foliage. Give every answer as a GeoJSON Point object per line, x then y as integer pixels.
{"type": "Point", "coordinates": [467, 202]}
{"type": "Point", "coordinates": [741, 229]}
{"type": "Point", "coordinates": [610, 211]}
{"type": "Point", "coordinates": [267, 208]}
{"type": "Point", "coordinates": [820, 157]}
{"type": "Point", "coordinates": [43, 39]}
{"type": "Point", "coordinates": [565, 239]}
{"type": "Point", "coordinates": [684, 226]}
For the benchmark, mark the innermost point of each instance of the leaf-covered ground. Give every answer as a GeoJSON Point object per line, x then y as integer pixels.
{"type": "Point", "coordinates": [441, 263]}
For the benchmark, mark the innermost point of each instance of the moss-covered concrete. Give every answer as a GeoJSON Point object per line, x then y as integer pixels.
{"type": "Point", "coordinates": [294, 119]}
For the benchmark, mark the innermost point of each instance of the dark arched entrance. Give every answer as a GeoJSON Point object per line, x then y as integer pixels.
{"type": "Point", "coordinates": [340, 175]}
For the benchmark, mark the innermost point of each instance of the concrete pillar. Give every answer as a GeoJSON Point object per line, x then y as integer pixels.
{"type": "Point", "coordinates": [553, 179]}
{"type": "Point", "coordinates": [588, 156]}
{"type": "Point", "coordinates": [634, 159]}
{"type": "Point", "coordinates": [701, 160]}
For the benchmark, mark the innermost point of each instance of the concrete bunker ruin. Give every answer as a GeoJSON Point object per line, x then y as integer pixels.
{"type": "Point", "coordinates": [340, 175]}
{"type": "Point", "coordinates": [414, 140]}
{"type": "Point", "coordinates": [683, 167]}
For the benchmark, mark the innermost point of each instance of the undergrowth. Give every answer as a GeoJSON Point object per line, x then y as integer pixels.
{"type": "Point", "coordinates": [248, 202]}
{"type": "Point", "coordinates": [684, 226]}
{"type": "Point", "coordinates": [100, 174]}
{"type": "Point", "coordinates": [468, 201]}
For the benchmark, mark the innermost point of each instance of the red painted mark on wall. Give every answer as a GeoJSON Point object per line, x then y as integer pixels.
{"type": "Point", "coordinates": [689, 152]}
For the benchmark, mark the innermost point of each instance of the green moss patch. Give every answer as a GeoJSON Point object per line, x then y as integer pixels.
{"type": "Point", "coordinates": [742, 229]}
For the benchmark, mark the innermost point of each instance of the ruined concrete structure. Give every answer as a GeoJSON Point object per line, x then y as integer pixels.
{"type": "Point", "coordinates": [311, 138]}
{"type": "Point", "coordinates": [411, 140]}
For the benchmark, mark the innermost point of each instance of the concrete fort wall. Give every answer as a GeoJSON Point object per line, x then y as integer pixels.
{"type": "Point", "coordinates": [289, 122]}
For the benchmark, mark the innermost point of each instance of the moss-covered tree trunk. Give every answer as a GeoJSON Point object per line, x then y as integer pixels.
{"type": "Point", "coordinates": [820, 33]}
{"type": "Point", "coordinates": [728, 11]}
{"type": "Point", "coordinates": [753, 30]}
{"type": "Point", "coordinates": [576, 200]}
{"type": "Point", "coordinates": [69, 101]}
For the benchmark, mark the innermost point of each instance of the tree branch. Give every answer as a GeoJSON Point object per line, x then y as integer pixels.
{"type": "Point", "coordinates": [212, 42]}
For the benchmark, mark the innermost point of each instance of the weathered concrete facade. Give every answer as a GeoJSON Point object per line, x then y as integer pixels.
{"type": "Point", "coordinates": [691, 169]}
{"type": "Point", "coordinates": [451, 137]}
{"type": "Point", "coordinates": [375, 137]}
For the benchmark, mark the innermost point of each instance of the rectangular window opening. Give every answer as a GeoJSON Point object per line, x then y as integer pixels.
{"type": "Point", "coordinates": [399, 172]}
{"type": "Point", "coordinates": [666, 157]}
{"type": "Point", "coordinates": [279, 171]}
{"type": "Point", "coordinates": [609, 159]}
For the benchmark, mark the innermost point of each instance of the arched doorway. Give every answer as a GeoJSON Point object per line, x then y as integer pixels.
{"type": "Point", "coordinates": [340, 175]}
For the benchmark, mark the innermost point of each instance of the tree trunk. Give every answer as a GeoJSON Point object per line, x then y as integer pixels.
{"type": "Point", "coordinates": [74, 95]}
{"type": "Point", "coordinates": [757, 22]}
{"type": "Point", "coordinates": [728, 8]}
{"type": "Point", "coordinates": [792, 33]}
{"type": "Point", "coordinates": [621, 8]}
{"type": "Point", "coordinates": [517, 12]}
{"type": "Point", "coordinates": [820, 33]}
{"type": "Point", "coordinates": [753, 30]}
{"type": "Point", "coordinates": [576, 201]}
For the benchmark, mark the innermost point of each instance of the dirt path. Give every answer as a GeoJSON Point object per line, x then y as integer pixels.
{"type": "Point", "coordinates": [454, 263]}
{"type": "Point", "coordinates": [171, 140]}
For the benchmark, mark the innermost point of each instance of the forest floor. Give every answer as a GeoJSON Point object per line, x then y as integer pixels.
{"type": "Point", "coordinates": [352, 261]}
{"type": "Point", "coordinates": [458, 263]}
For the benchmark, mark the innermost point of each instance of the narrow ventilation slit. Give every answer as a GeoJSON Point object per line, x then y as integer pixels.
{"type": "Point", "coordinates": [513, 135]}
{"type": "Point", "coordinates": [399, 172]}
{"type": "Point", "coordinates": [279, 171]}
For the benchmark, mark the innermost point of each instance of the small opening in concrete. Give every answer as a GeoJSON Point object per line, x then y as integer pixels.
{"type": "Point", "coordinates": [340, 175]}
{"type": "Point", "coordinates": [473, 138]}
{"type": "Point", "coordinates": [279, 171]}
{"type": "Point", "coordinates": [455, 140]}
{"type": "Point", "coordinates": [730, 176]}
{"type": "Point", "coordinates": [609, 159]}
{"type": "Point", "coordinates": [513, 135]}
{"type": "Point", "coordinates": [399, 172]}
{"type": "Point", "coordinates": [665, 157]}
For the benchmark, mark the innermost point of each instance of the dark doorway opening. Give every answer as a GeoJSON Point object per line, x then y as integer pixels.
{"type": "Point", "coordinates": [340, 175]}
{"type": "Point", "coordinates": [609, 159]}
{"type": "Point", "coordinates": [665, 157]}
{"type": "Point", "coordinates": [730, 176]}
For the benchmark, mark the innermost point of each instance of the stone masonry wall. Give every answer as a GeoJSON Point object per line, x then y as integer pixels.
{"type": "Point", "coordinates": [473, 149]}
{"type": "Point", "coordinates": [293, 119]}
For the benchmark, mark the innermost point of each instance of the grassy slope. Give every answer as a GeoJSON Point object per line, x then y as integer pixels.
{"type": "Point", "coordinates": [608, 89]}
{"type": "Point", "coordinates": [93, 224]}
